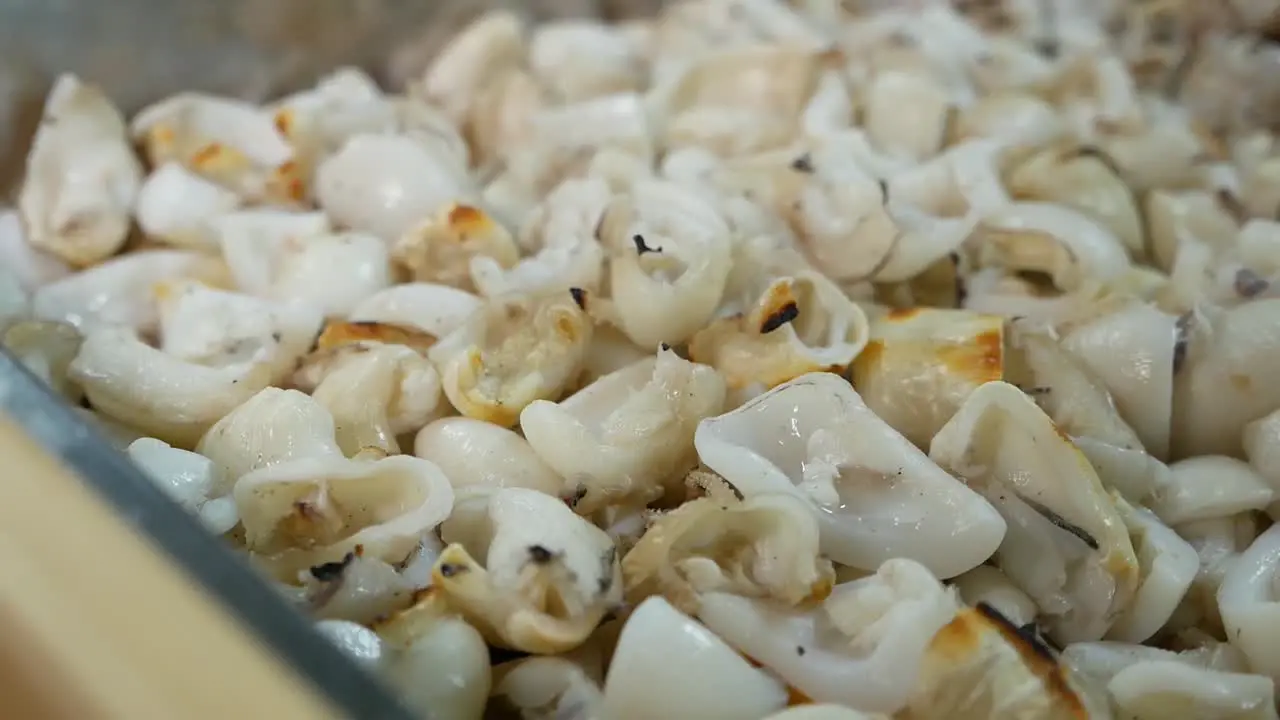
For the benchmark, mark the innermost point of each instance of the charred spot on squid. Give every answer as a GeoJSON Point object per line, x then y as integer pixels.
{"type": "Point", "coordinates": [780, 317]}
{"type": "Point", "coordinates": [641, 247]}
{"type": "Point", "coordinates": [803, 164]}
{"type": "Point", "coordinates": [579, 297]}
{"type": "Point", "coordinates": [1061, 522]}
{"type": "Point", "coordinates": [1249, 284]}
{"type": "Point", "coordinates": [451, 570]}
{"type": "Point", "coordinates": [326, 572]}
{"type": "Point", "coordinates": [1032, 638]}
{"type": "Point", "coordinates": [539, 555]}
{"type": "Point", "coordinates": [1181, 339]}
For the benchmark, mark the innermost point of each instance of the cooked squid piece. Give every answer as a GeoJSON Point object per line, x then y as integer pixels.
{"type": "Point", "coordinates": [474, 453]}
{"type": "Point", "coordinates": [1224, 380]}
{"type": "Point", "coordinates": [558, 236]}
{"type": "Point", "coordinates": [800, 324]}
{"type": "Point", "coordinates": [216, 327]}
{"type": "Point", "coordinates": [29, 267]}
{"type": "Point", "coordinates": [763, 547]}
{"type": "Point", "coordinates": [919, 366]}
{"type": "Point", "coordinates": [824, 712]}
{"type": "Point", "coordinates": [15, 302]}
{"type": "Point", "coordinates": [376, 388]}
{"type": "Point", "coordinates": [875, 495]}
{"type": "Point", "coordinates": [165, 396]}
{"type": "Point", "coordinates": [440, 248]}
{"type": "Point", "coordinates": [190, 479]}
{"type": "Point", "coordinates": [1208, 487]}
{"type": "Point", "coordinates": [898, 642]}
{"type": "Point", "coordinates": [580, 59]}
{"type": "Point", "coordinates": [539, 686]}
{"type": "Point", "coordinates": [363, 589]}
{"type": "Point", "coordinates": [1084, 179]}
{"type": "Point", "coordinates": [478, 52]}
{"type": "Point", "coordinates": [620, 438]}
{"type": "Point", "coordinates": [435, 310]}
{"type": "Point", "coordinates": [274, 426]}
{"type": "Point", "coordinates": [1131, 351]}
{"type": "Point", "coordinates": [669, 262]}
{"type": "Point", "coordinates": [699, 675]}
{"type": "Point", "coordinates": [1066, 545]}
{"type": "Point", "coordinates": [987, 585]}
{"type": "Point", "coordinates": [513, 351]}
{"type": "Point", "coordinates": [437, 663]}
{"type": "Point", "coordinates": [547, 579]}
{"type": "Point", "coordinates": [1064, 244]}
{"type": "Point", "coordinates": [229, 142]}
{"type": "Point", "coordinates": [1167, 565]}
{"type": "Point", "coordinates": [739, 100]}
{"type": "Point", "coordinates": [313, 510]}
{"type": "Point", "coordinates": [81, 176]}
{"type": "Point", "coordinates": [121, 291]}
{"type": "Point", "coordinates": [46, 349]}
{"type": "Point", "coordinates": [383, 184]}
{"type": "Point", "coordinates": [177, 207]}
{"type": "Point", "coordinates": [1247, 599]}
{"type": "Point", "coordinates": [1176, 218]}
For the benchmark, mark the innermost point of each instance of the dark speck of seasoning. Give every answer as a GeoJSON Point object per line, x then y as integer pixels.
{"type": "Point", "coordinates": [641, 247]}
{"type": "Point", "coordinates": [1249, 284]}
{"type": "Point", "coordinates": [276, 336]}
{"type": "Point", "coordinates": [579, 297]}
{"type": "Point", "coordinates": [450, 570]}
{"type": "Point", "coordinates": [540, 555]}
{"type": "Point", "coordinates": [780, 317]}
{"type": "Point", "coordinates": [665, 347]}
{"type": "Point", "coordinates": [884, 193]}
{"type": "Point", "coordinates": [576, 497]}
{"type": "Point", "coordinates": [800, 651]}
{"type": "Point", "coordinates": [326, 572]}
{"type": "Point", "coordinates": [803, 164]}
{"type": "Point", "coordinates": [1181, 339]}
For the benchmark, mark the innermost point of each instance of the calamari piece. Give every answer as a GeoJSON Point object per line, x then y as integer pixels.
{"type": "Point", "coordinates": [1103, 660]}
{"type": "Point", "coordinates": [670, 260]}
{"type": "Point", "coordinates": [1063, 387]}
{"type": "Point", "coordinates": [376, 392]}
{"type": "Point", "coordinates": [176, 206]}
{"type": "Point", "coordinates": [1086, 180]}
{"type": "Point", "coordinates": [1156, 690]}
{"type": "Point", "coordinates": [340, 339]}
{"type": "Point", "coordinates": [742, 99]}
{"type": "Point", "coordinates": [918, 134]}
{"type": "Point", "coordinates": [214, 327]}
{"type": "Point", "coordinates": [1248, 602]}
{"type": "Point", "coordinates": [699, 674]}
{"type": "Point", "coordinates": [987, 585]}
{"type": "Point", "coordinates": [559, 236]}
{"type": "Point", "coordinates": [255, 241]}
{"type": "Point", "coordinates": [440, 248]}
{"type": "Point", "coordinates": [1053, 239]}
{"type": "Point", "coordinates": [547, 580]}
{"type": "Point", "coordinates": [876, 496]}
{"type": "Point", "coordinates": [231, 142]}
{"type": "Point", "coordinates": [830, 108]}
{"type": "Point", "coordinates": [436, 662]}
{"type": "Point", "coordinates": [1218, 543]}
{"type": "Point", "coordinates": [332, 273]}
{"type": "Point", "coordinates": [15, 305]}
{"type": "Point", "coordinates": [1175, 218]}
{"type": "Point", "coordinates": [1262, 448]}
{"type": "Point", "coordinates": [863, 648]}
{"type": "Point", "coordinates": [580, 59]}
{"type": "Point", "coordinates": [471, 59]}
{"type": "Point", "coordinates": [385, 184]}
{"type": "Point", "coordinates": [273, 427]}
{"type": "Point", "coordinates": [46, 349]}
{"type": "Point", "coordinates": [610, 351]}
{"type": "Point", "coordinates": [1223, 376]}
{"type": "Point", "coordinates": [819, 711]}
{"type": "Point", "coordinates": [618, 439]}
{"type": "Point", "coordinates": [514, 351]}
{"type": "Point", "coordinates": [314, 510]}
{"type": "Point", "coordinates": [356, 589]}
{"type": "Point", "coordinates": [1066, 545]}
{"type": "Point", "coordinates": [169, 398]}
{"type": "Point", "coordinates": [537, 686]}
{"type": "Point", "coordinates": [919, 365]}
{"type": "Point", "coordinates": [31, 267]}
{"type": "Point", "coordinates": [120, 291]}
{"type": "Point", "coordinates": [763, 547]}
{"type": "Point", "coordinates": [189, 479]}
{"type": "Point", "coordinates": [1131, 351]}
{"type": "Point", "coordinates": [357, 642]}
{"type": "Point", "coordinates": [1210, 486]}
{"type": "Point", "coordinates": [477, 453]}
{"type": "Point", "coordinates": [1168, 565]}
{"type": "Point", "coordinates": [81, 176]}
{"type": "Point", "coordinates": [1017, 118]}
{"type": "Point", "coordinates": [436, 310]}
{"type": "Point", "coordinates": [801, 323]}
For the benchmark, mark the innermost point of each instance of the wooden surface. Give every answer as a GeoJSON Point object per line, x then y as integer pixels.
{"type": "Point", "coordinates": [96, 624]}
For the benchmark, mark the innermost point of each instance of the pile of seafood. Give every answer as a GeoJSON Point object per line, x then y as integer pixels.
{"type": "Point", "coordinates": [756, 360]}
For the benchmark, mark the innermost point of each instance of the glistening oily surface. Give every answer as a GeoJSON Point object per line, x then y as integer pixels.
{"type": "Point", "coordinates": [759, 360]}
